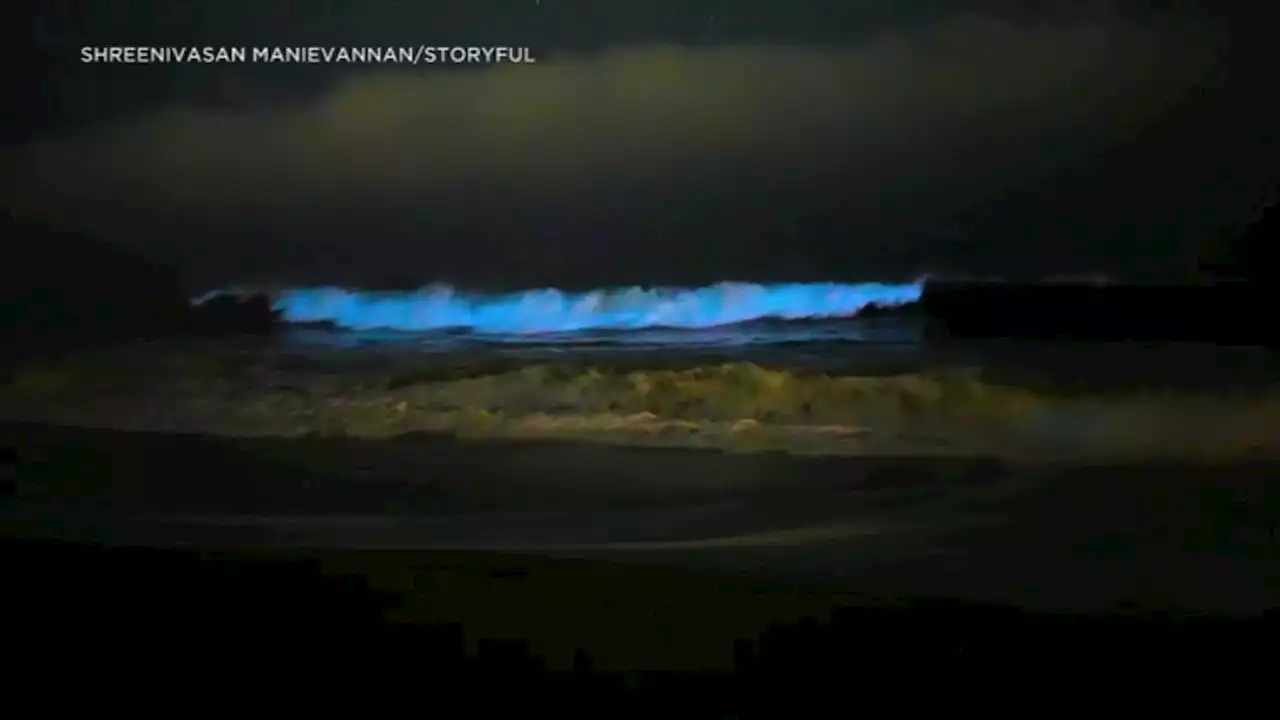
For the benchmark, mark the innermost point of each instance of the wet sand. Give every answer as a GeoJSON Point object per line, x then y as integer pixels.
{"type": "Point", "coordinates": [1045, 536]}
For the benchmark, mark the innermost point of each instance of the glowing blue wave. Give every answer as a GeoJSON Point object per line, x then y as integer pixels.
{"type": "Point", "coordinates": [550, 310]}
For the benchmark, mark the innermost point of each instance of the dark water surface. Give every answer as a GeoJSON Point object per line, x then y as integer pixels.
{"type": "Point", "coordinates": [872, 346]}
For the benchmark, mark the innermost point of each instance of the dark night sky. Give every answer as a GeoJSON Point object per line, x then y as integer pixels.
{"type": "Point", "coordinates": [678, 141]}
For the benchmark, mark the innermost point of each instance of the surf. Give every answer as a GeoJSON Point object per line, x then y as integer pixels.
{"type": "Point", "coordinates": [552, 310]}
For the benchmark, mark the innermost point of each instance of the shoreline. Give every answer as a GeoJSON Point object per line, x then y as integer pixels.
{"type": "Point", "coordinates": [1068, 536]}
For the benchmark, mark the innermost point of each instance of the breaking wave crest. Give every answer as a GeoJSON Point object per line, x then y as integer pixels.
{"type": "Point", "coordinates": [550, 310]}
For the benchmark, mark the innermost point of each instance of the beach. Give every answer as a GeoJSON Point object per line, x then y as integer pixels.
{"type": "Point", "coordinates": [560, 479]}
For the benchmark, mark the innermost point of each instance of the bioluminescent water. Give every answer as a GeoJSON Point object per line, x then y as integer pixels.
{"type": "Point", "coordinates": [551, 310]}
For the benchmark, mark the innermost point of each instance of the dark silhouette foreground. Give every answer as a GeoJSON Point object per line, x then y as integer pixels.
{"type": "Point", "coordinates": [61, 291]}
{"type": "Point", "coordinates": [1228, 313]}
{"type": "Point", "coordinates": [1251, 255]}
{"type": "Point", "coordinates": [170, 617]}
{"type": "Point", "coordinates": [1240, 280]}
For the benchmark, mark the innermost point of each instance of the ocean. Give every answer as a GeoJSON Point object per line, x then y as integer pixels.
{"type": "Point", "coordinates": [799, 368]}
{"type": "Point", "coordinates": [883, 345]}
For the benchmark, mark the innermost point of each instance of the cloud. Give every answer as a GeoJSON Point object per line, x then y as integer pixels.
{"type": "Point", "coordinates": [642, 112]}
